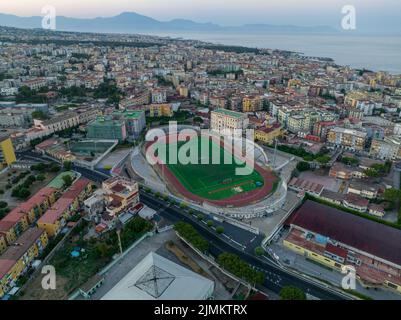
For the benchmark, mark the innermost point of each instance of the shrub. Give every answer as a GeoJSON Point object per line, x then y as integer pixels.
{"type": "Point", "coordinates": [220, 230]}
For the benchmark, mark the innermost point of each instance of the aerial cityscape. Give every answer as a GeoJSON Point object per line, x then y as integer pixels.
{"type": "Point", "coordinates": [138, 165]}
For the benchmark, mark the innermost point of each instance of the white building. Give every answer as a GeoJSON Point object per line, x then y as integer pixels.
{"type": "Point", "coordinates": [157, 278]}
{"type": "Point", "coordinates": [228, 122]}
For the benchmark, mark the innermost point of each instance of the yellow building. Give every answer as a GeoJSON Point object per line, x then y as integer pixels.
{"type": "Point", "coordinates": [268, 134]}
{"type": "Point", "coordinates": [313, 255]}
{"type": "Point", "coordinates": [17, 259]}
{"type": "Point", "coordinates": [252, 104]}
{"type": "Point", "coordinates": [7, 155]}
{"type": "Point", "coordinates": [120, 194]}
{"type": "Point", "coordinates": [183, 91]}
{"type": "Point", "coordinates": [19, 219]}
{"type": "Point", "coordinates": [160, 110]}
{"type": "Point", "coordinates": [3, 243]}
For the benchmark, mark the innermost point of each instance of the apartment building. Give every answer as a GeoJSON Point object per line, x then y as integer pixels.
{"type": "Point", "coordinates": [268, 133]}
{"type": "Point", "coordinates": [107, 128]}
{"type": "Point", "coordinates": [159, 96]}
{"type": "Point", "coordinates": [58, 123]}
{"type": "Point", "coordinates": [228, 122]}
{"type": "Point", "coordinates": [120, 194]}
{"type": "Point", "coordinates": [252, 103]}
{"type": "Point", "coordinates": [349, 139]}
{"type": "Point", "coordinates": [135, 121]}
{"type": "Point", "coordinates": [17, 259]}
{"type": "Point", "coordinates": [7, 155]}
{"type": "Point", "coordinates": [19, 219]}
{"type": "Point", "coordinates": [386, 149]}
{"type": "Point", "coordinates": [56, 217]}
{"type": "Point", "coordinates": [161, 110]}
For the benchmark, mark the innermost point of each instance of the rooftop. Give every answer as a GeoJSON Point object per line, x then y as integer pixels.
{"type": "Point", "coordinates": [229, 113]}
{"type": "Point", "coordinates": [156, 277]}
{"type": "Point", "coordinates": [371, 237]}
{"type": "Point", "coordinates": [14, 253]}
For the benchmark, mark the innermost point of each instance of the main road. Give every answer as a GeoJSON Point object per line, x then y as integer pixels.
{"type": "Point", "coordinates": [276, 277]}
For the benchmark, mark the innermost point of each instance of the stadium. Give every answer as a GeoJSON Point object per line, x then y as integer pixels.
{"type": "Point", "coordinates": [211, 181]}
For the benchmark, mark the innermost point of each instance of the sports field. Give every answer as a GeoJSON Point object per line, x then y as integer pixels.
{"type": "Point", "coordinates": [208, 181]}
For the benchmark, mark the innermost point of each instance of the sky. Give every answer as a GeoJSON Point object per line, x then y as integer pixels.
{"type": "Point", "coordinates": [372, 15]}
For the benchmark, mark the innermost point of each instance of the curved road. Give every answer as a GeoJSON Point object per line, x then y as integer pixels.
{"type": "Point", "coordinates": [276, 278]}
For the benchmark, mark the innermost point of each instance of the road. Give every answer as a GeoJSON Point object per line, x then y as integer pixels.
{"type": "Point", "coordinates": [276, 278]}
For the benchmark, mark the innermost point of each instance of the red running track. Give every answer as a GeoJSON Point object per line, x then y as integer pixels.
{"type": "Point", "coordinates": [239, 200]}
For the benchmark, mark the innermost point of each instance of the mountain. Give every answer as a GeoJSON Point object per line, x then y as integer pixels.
{"type": "Point", "coordinates": [131, 22]}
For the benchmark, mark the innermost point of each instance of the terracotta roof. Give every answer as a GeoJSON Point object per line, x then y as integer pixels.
{"type": "Point", "coordinates": [357, 232]}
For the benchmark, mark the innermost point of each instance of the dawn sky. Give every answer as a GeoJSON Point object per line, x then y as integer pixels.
{"type": "Point", "coordinates": [371, 14]}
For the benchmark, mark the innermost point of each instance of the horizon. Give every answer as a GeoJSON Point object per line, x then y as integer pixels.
{"type": "Point", "coordinates": [372, 17]}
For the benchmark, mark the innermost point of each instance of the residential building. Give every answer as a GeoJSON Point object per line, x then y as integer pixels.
{"type": "Point", "coordinates": [161, 110]}
{"type": "Point", "coordinates": [268, 133]}
{"type": "Point", "coordinates": [135, 121]}
{"type": "Point", "coordinates": [386, 149]}
{"type": "Point", "coordinates": [17, 259]}
{"type": "Point", "coordinates": [252, 103]}
{"type": "Point", "coordinates": [348, 139]}
{"type": "Point", "coordinates": [7, 155]}
{"type": "Point", "coordinates": [65, 207]}
{"type": "Point", "coordinates": [120, 194]}
{"type": "Point", "coordinates": [107, 128]}
{"type": "Point", "coordinates": [228, 122]}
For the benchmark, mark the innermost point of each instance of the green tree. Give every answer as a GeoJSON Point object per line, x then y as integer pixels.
{"type": "Point", "coordinates": [392, 194]}
{"type": "Point", "coordinates": [303, 166]}
{"type": "Point", "coordinates": [259, 251]}
{"type": "Point", "coordinates": [210, 223]}
{"type": "Point", "coordinates": [67, 165]}
{"type": "Point", "coordinates": [220, 230]}
{"type": "Point", "coordinates": [67, 180]}
{"type": "Point", "coordinates": [323, 160]}
{"type": "Point", "coordinates": [292, 293]}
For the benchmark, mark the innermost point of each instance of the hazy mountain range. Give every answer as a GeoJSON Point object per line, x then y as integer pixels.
{"type": "Point", "coordinates": [131, 22]}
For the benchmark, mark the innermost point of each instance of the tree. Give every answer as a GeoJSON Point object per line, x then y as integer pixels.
{"type": "Point", "coordinates": [303, 166]}
{"type": "Point", "coordinates": [40, 177]}
{"type": "Point", "coordinates": [3, 204]}
{"type": "Point", "coordinates": [392, 194]}
{"type": "Point", "coordinates": [67, 180]}
{"type": "Point", "coordinates": [67, 165]}
{"type": "Point", "coordinates": [350, 161]}
{"type": "Point", "coordinates": [323, 160]}
{"type": "Point", "coordinates": [200, 217]}
{"type": "Point", "coordinates": [220, 230]}
{"type": "Point", "coordinates": [259, 251]}
{"type": "Point", "coordinates": [372, 173]}
{"type": "Point", "coordinates": [292, 293]}
{"type": "Point", "coordinates": [40, 115]}
{"type": "Point", "coordinates": [209, 223]}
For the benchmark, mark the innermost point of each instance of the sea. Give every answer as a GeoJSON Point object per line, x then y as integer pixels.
{"type": "Point", "coordinates": [376, 53]}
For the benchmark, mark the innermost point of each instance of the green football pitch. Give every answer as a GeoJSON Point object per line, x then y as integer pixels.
{"type": "Point", "coordinates": [209, 181]}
